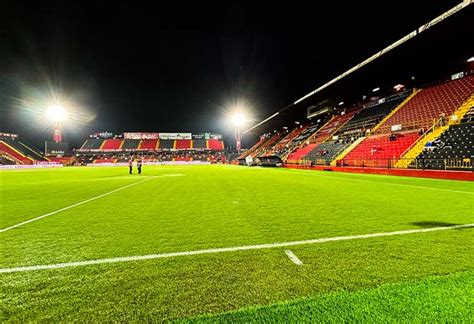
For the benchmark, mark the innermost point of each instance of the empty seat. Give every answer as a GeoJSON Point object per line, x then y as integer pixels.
{"type": "Point", "coordinates": [215, 145]}
{"type": "Point", "coordinates": [428, 105]}
{"type": "Point", "coordinates": [183, 144]}
{"type": "Point", "coordinates": [149, 144]}
{"type": "Point", "coordinates": [111, 144]}
{"type": "Point", "coordinates": [380, 150]}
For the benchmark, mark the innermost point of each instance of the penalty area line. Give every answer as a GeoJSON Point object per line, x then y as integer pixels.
{"type": "Point", "coordinates": [86, 201]}
{"type": "Point", "coordinates": [226, 249]}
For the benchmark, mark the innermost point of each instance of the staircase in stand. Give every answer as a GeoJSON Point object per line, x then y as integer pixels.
{"type": "Point", "coordinates": [341, 155]}
{"type": "Point", "coordinates": [435, 131]}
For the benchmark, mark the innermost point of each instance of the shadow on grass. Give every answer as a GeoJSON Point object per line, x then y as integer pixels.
{"type": "Point", "coordinates": [430, 224]}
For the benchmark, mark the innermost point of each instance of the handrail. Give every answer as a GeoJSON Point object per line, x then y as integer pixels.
{"type": "Point", "coordinates": [431, 129]}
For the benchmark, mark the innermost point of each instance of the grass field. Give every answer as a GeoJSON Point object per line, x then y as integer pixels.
{"type": "Point", "coordinates": [133, 227]}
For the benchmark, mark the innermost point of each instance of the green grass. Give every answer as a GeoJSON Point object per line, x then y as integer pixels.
{"type": "Point", "coordinates": [218, 206]}
{"type": "Point", "coordinates": [435, 299]}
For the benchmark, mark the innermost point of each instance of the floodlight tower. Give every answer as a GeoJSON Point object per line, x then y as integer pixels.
{"type": "Point", "coordinates": [238, 119]}
{"type": "Point", "coordinates": [56, 114]}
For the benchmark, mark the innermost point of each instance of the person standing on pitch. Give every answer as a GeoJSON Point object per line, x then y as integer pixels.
{"type": "Point", "coordinates": [130, 165]}
{"type": "Point", "coordinates": [139, 165]}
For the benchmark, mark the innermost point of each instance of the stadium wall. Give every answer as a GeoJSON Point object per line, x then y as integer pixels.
{"type": "Point", "coordinates": [434, 174]}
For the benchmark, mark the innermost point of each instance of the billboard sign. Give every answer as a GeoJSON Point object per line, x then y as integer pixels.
{"type": "Point", "coordinates": [55, 148]}
{"type": "Point", "coordinates": [141, 135]}
{"type": "Point", "coordinates": [174, 136]}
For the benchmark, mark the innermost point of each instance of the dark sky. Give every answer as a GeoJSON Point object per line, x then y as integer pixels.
{"type": "Point", "coordinates": [134, 66]}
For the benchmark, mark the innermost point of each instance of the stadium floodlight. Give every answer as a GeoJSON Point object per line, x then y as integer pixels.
{"type": "Point", "coordinates": [376, 89]}
{"type": "Point", "coordinates": [56, 113]}
{"type": "Point", "coordinates": [341, 103]}
{"type": "Point", "coordinates": [238, 119]}
{"type": "Point", "coordinates": [471, 59]}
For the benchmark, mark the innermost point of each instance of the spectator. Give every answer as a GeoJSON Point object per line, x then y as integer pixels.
{"type": "Point", "coordinates": [442, 119]}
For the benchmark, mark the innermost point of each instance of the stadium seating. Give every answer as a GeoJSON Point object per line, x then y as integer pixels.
{"type": "Point", "coordinates": [267, 145]}
{"type": "Point", "coordinates": [7, 148]}
{"type": "Point", "coordinates": [320, 136]}
{"type": "Point", "coordinates": [21, 152]}
{"type": "Point", "coordinates": [6, 159]}
{"type": "Point", "coordinates": [380, 151]}
{"type": "Point", "coordinates": [331, 127]}
{"type": "Point", "coordinates": [166, 144]}
{"type": "Point", "coordinates": [325, 152]}
{"type": "Point", "coordinates": [130, 144]}
{"type": "Point", "coordinates": [199, 144]}
{"type": "Point", "coordinates": [183, 144]}
{"type": "Point", "coordinates": [428, 105]}
{"type": "Point", "coordinates": [306, 133]}
{"type": "Point", "coordinates": [148, 144]}
{"type": "Point", "coordinates": [27, 150]}
{"type": "Point", "coordinates": [215, 145]}
{"type": "Point", "coordinates": [452, 150]}
{"type": "Point", "coordinates": [257, 145]}
{"type": "Point", "coordinates": [92, 144]}
{"type": "Point", "coordinates": [111, 144]}
{"type": "Point", "coordinates": [370, 116]}
{"type": "Point", "coordinates": [286, 140]}
{"type": "Point", "coordinates": [300, 153]}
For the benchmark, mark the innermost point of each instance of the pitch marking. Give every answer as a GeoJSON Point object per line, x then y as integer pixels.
{"type": "Point", "coordinates": [226, 249]}
{"type": "Point", "coordinates": [86, 201]}
{"type": "Point", "coordinates": [293, 258]}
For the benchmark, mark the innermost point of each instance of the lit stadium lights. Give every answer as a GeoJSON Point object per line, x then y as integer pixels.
{"type": "Point", "coordinates": [238, 119]}
{"type": "Point", "coordinates": [471, 59]}
{"type": "Point", "coordinates": [56, 113]}
{"type": "Point", "coordinates": [341, 103]}
{"type": "Point", "coordinates": [398, 87]}
{"type": "Point", "coordinates": [375, 89]}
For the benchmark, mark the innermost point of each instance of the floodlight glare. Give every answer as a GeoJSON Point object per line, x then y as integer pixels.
{"type": "Point", "coordinates": [238, 119]}
{"type": "Point", "coordinates": [398, 87]}
{"type": "Point", "coordinates": [471, 59]}
{"type": "Point", "coordinates": [376, 89]}
{"type": "Point", "coordinates": [56, 113]}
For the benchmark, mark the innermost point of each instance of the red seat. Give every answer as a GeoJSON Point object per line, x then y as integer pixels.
{"type": "Point", "coordinates": [14, 153]}
{"type": "Point", "coordinates": [427, 106]}
{"type": "Point", "coordinates": [148, 144]}
{"type": "Point", "coordinates": [112, 144]}
{"type": "Point", "coordinates": [379, 150]}
{"type": "Point", "coordinates": [183, 144]}
{"type": "Point", "coordinates": [215, 145]}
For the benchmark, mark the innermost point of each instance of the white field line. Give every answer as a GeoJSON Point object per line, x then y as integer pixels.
{"type": "Point", "coordinates": [379, 182]}
{"type": "Point", "coordinates": [226, 249]}
{"type": "Point", "coordinates": [86, 201]}
{"type": "Point", "coordinates": [293, 258]}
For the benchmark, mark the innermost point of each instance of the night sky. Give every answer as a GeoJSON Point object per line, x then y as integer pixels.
{"type": "Point", "coordinates": [131, 66]}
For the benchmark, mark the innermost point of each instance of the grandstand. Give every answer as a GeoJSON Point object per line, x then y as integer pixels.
{"type": "Point", "coordinates": [321, 135]}
{"type": "Point", "coordinates": [452, 150]}
{"type": "Point", "coordinates": [17, 152]}
{"type": "Point", "coordinates": [409, 121]}
{"type": "Point", "coordinates": [390, 132]}
{"type": "Point", "coordinates": [169, 147]}
{"type": "Point", "coordinates": [213, 142]}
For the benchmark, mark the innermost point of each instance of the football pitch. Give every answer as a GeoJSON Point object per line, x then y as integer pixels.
{"type": "Point", "coordinates": [228, 243]}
